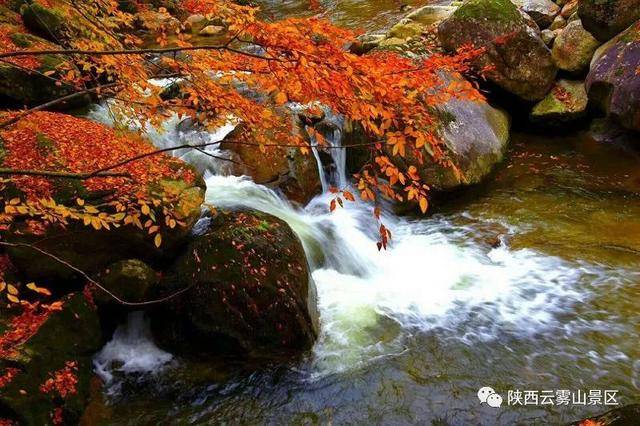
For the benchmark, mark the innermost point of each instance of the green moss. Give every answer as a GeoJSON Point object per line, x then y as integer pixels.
{"type": "Point", "coordinates": [493, 10]}
{"type": "Point", "coordinates": [22, 40]}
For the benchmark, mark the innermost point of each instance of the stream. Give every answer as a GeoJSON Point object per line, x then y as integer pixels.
{"type": "Point", "coordinates": [530, 281]}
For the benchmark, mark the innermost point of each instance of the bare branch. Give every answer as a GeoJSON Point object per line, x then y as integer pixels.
{"type": "Point", "coordinates": [55, 174]}
{"type": "Point", "coordinates": [132, 52]}
{"type": "Point", "coordinates": [94, 282]}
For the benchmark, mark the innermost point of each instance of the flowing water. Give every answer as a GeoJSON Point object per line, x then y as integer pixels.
{"type": "Point", "coordinates": [528, 282]}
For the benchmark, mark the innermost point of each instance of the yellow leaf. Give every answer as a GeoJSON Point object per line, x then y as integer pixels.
{"type": "Point", "coordinates": [39, 290]}
{"type": "Point", "coordinates": [423, 204]}
{"type": "Point", "coordinates": [145, 210]}
{"type": "Point", "coordinates": [95, 222]}
{"type": "Point", "coordinates": [13, 299]}
{"type": "Point", "coordinates": [157, 240]}
{"type": "Point", "coordinates": [3, 286]}
{"type": "Point", "coordinates": [12, 290]}
{"type": "Point", "coordinates": [80, 201]}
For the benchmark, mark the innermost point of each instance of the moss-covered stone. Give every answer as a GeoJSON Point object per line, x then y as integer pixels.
{"type": "Point", "coordinates": [573, 48]}
{"type": "Point", "coordinates": [543, 12]}
{"type": "Point", "coordinates": [47, 22]}
{"type": "Point", "coordinates": [72, 334]}
{"type": "Point", "coordinates": [476, 136]}
{"type": "Point", "coordinates": [518, 59]}
{"type": "Point", "coordinates": [251, 290]}
{"type": "Point", "coordinates": [130, 280]}
{"type": "Point", "coordinates": [284, 168]}
{"type": "Point", "coordinates": [566, 102]}
{"type": "Point", "coordinates": [613, 83]}
{"type": "Point", "coordinates": [607, 18]}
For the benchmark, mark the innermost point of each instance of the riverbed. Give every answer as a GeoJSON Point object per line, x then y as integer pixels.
{"type": "Point", "coordinates": [529, 281]}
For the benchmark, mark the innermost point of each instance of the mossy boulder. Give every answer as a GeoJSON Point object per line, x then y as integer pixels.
{"type": "Point", "coordinates": [32, 81]}
{"type": "Point", "coordinates": [573, 48]}
{"type": "Point", "coordinates": [70, 335]}
{"type": "Point", "coordinates": [566, 102]}
{"type": "Point", "coordinates": [607, 18]}
{"type": "Point", "coordinates": [249, 290]}
{"type": "Point", "coordinates": [48, 22]}
{"type": "Point", "coordinates": [543, 12]}
{"type": "Point", "coordinates": [53, 141]}
{"type": "Point", "coordinates": [518, 59]}
{"type": "Point", "coordinates": [613, 83]}
{"type": "Point", "coordinates": [285, 169]}
{"type": "Point", "coordinates": [131, 280]}
{"type": "Point", "coordinates": [475, 134]}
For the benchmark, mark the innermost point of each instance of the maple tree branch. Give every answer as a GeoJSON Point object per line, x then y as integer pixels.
{"type": "Point", "coordinates": [55, 102]}
{"type": "Point", "coordinates": [94, 282]}
{"type": "Point", "coordinates": [55, 174]}
{"type": "Point", "coordinates": [132, 52]}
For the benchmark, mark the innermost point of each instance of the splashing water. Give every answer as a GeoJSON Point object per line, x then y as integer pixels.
{"type": "Point", "coordinates": [130, 351]}
{"type": "Point", "coordinates": [437, 288]}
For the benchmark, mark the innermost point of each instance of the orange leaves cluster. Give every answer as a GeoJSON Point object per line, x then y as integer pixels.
{"type": "Point", "coordinates": [62, 382]}
{"type": "Point", "coordinates": [48, 141]}
{"type": "Point", "coordinates": [23, 326]}
{"type": "Point", "coordinates": [7, 376]}
{"type": "Point", "coordinates": [7, 45]}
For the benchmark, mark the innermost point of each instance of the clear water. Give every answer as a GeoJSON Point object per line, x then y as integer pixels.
{"type": "Point", "coordinates": [530, 281]}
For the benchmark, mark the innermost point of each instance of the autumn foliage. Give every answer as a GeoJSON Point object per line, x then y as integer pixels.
{"type": "Point", "coordinates": [252, 71]}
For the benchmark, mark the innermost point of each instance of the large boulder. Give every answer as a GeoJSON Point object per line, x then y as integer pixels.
{"type": "Point", "coordinates": [566, 102]}
{"type": "Point", "coordinates": [573, 48]}
{"type": "Point", "coordinates": [475, 134]}
{"type": "Point", "coordinates": [543, 12]}
{"type": "Point", "coordinates": [171, 191]}
{"type": "Point", "coordinates": [287, 169]}
{"type": "Point", "coordinates": [607, 18]}
{"type": "Point", "coordinates": [613, 83]}
{"type": "Point", "coordinates": [249, 290]}
{"type": "Point", "coordinates": [515, 56]}
{"type": "Point", "coordinates": [34, 80]}
{"type": "Point", "coordinates": [67, 339]}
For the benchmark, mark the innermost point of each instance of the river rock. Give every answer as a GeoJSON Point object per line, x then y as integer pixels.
{"type": "Point", "coordinates": [211, 30]}
{"type": "Point", "coordinates": [621, 416]}
{"type": "Point", "coordinates": [283, 168]}
{"type": "Point", "coordinates": [177, 187]}
{"type": "Point", "coordinates": [566, 102]}
{"type": "Point", "coordinates": [613, 83]}
{"type": "Point", "coordinates": [548, 37]}
{"type": "Point", "coordinates": [558, 23]}
{"type": "Point", "coordinates": [47, 22]}
{"type": "Point", "coordinates": [543, 12]}
{"type": "Point", "coordinates": [131, 280]}
{"type": "Point", "coordinates": [574, 48]}
{"type": "Point", "coordinates": [607, 18]}
{"type": "Point", "coordinates": [569, 9]}
{"type": "Point", "coordinates": [32, 81]}
{"type": "Point", "coordinates": [250, 290]}
{"type": "Point", "coordinates": [475, 133]}
{"type": "Point", "coordinates": [519, 60]}
{"type": "Point", "coordinates": [70, 335]}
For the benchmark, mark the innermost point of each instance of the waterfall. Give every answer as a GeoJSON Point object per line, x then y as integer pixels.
{"type": "Point", "coordinates": [333, 169]}
{"type": "Point", "coordinates": [431, 277]}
